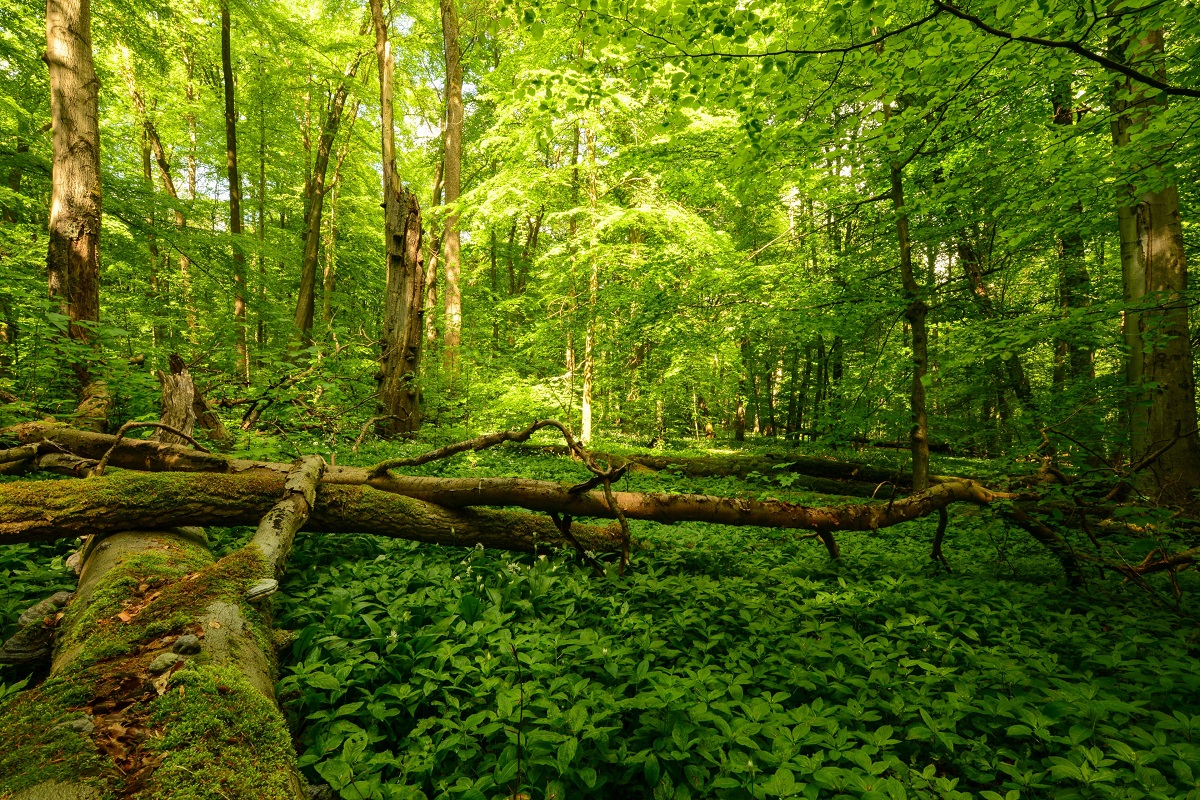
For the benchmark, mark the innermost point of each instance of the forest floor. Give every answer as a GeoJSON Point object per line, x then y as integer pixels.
{"type": "Point", "coordinates": [727, 662]}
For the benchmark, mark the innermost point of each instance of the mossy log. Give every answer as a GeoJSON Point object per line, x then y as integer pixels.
{"type": "Point", "coordinates": [119, 500]}
{"type": "Point", "coordinates": [460, 493]}
{"type": "Point", "coordinates": [534, 495]}
{"type": "Point", "coordinates": [162, 683]}
{"type": "Point", "coordinates": [401, 507]}
{"type": "Point", "coordinates": [846, 477]}
{"type": "Point", "coordinates": [820, 474]}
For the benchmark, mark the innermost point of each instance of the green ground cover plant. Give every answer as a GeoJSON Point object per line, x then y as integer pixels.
{"type": "Point", "coordinates": [733, 663]}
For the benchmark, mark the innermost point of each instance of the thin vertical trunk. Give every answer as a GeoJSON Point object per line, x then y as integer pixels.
{"type": "Point", "coordinates": [589, 338]}
{"type": "Point", "coordinates": [15, 174]}
{"type": "Point", "coordinates": [915, 313]}
{"type": "Point", "coordinates": [432, 262]}
{"type": "Point", "coordinates": [185, 263]}
{"type": "Point", "coordinates": [400, 356]}
{"type": "Point", "coordinates": [570, 312]}
{"type": "Point", "coordinates": [820, 382]}
{"type": "Point", "coordinates": [149, 141]}
{"type": "Point", "coordinates": [770, 387]}
{"type": "Point", "coordinates": [452, 180]}
{"type": "Point", "coordinates": [533, 227]}
{"type": "Point", "coordinates": [260, 330]}
{"type": "Point", "coordinates": [168, 183]}
{"type": "Point", "coordinates": [802, 422]}
{"type": "Point", "coordinates": [235, 201]}
{"type": "Point", "coordinates": [1154, 270]}
{"type": "Point", "coordinates": [495, 288]}
{"type": "Point", "coordinates": [157, 331]}
{"type": "Point", "coordinates": [508, 259]}
{"type": "Point", "coordinates": [1072, 359]}
{"type": "Point", "coordinates": [1014, 371]}
{"type": "Point", "coordinates": [739, 414]}
{"type": "Point", "coordinates": [75, 204]}
{"type": "Point", "coordinates": [330, 277]}
{"type": "Point", "coordinates": [306, 296]}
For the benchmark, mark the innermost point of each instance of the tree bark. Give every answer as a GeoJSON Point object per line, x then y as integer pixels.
{"type": "Point", "coordinates": [431, 264]}
{"type": "Point", "coordinates": [452, 336]}
{"type": "Point", "coordinates": [1073, 358]}
{"type": "Point", "coordinates": [915, 313]}
{"type": "Point", "coordinates": [306, 297]}
{"type": "Point", "coordinates": [1159, 369]}
{"type": "Point", "coordinates": [150, 143]}
{"type": "Point", "coordinates": [589, 335]}
{"type": "Point", "coordinates": [235, 200]}
{"type": "Point", "coordinates": [158, 658]}
{"type": "Point", "coordinates": [75, 203]}
{"type": "Point", "coordinates": [33, 511]}
{"type": "Point", "coordinates": [399, 400]}
{"type": "Point", "coordinates": [178, 404]}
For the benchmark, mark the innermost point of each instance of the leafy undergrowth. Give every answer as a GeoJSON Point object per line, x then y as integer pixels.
{"type": "Point", "coordinates": [733, 663]}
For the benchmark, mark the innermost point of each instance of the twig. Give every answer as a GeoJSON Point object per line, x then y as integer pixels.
{"type": "Point", "coordinates": [362, 434]}
{"type": "Point", "coordinates": [128, 426]}
{"type": "Point", "coordinates": [478, 443]}
{"type": "Point", "coordinates": [563, 524]}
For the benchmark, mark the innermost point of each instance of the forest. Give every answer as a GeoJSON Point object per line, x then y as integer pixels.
{"type": "Point", "coordinates": [541, 400]}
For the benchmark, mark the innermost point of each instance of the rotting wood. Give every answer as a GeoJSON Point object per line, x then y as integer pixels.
{"type": "Point", "coordinates": [178, 405]}
{"type": "Point", "coordinates": [278, 526]}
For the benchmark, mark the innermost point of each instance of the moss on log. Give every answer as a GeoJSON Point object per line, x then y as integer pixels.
{"type": "Point", "coordinates": [56, 509]}
{"type": "Point", "coordinates": [124, 715]}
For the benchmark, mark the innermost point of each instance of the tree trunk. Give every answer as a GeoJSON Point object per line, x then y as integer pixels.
{"type": "Point", "coordinates": [399, 401]}
{"type": "Point", "coordinates": [1014, 371]}
{"type": "Point", "coordinates": [1073, 359]}
{"type": "Point", "coordinates": [589, 336]}
{"type": "Point", "coordinates": [261, 228]}
{"type": "Point", "coordinates": [739, 414]}
{"type": "Point", "coordinates": [163, 670]}
{"type": "Point", "coordinates": [150, 142]}
{"type": "Point", "coordinates": [75, 203]}
{"type": "Point", "coordinates": [1154, 268]}
{"type": "Point", "coordinates": [452, 336]}
{"type": "Point", "coordinates": [533, 228]}
{"type": "Point", "coordinates": [915, 313]}
{"type": "Point", "coordinates": [178, 403]}
{"type": "Point", "coordinates": [431, 331]}
{"type": "Point", "coordinates": [119, 500]}
{"type": "Point", "coordinates": [306, 297]}
{"type": "Point", "coordinates": [235, 201]}
{"type": "Point", "coordinates": [15, 174]}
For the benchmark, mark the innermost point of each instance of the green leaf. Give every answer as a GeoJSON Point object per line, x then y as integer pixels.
{"type": "Point", "coordinates": [566, 753]}
{"type": "Point", "coordinates": [781, 784]}
{"type": "Point", "coordinates": [322, 680]}
{"type": "Point", "coordinates": [336, 772]}
{"type": "Point", "coordinates": [651, 769]}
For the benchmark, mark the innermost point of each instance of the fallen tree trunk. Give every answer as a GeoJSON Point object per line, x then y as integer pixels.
{"type": "Point", "coordinates": [374, 512]}
{"type": "Point", "coordinates": [829, 473]}
{"type": "Point", "coordinates": [530, 494]}
{"type": "Point", "coordinates": [122, 500]}
{"type": "Point", "coordinates": [140, 454]}
{"type": "Point", "coordinates": [534, 495]}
